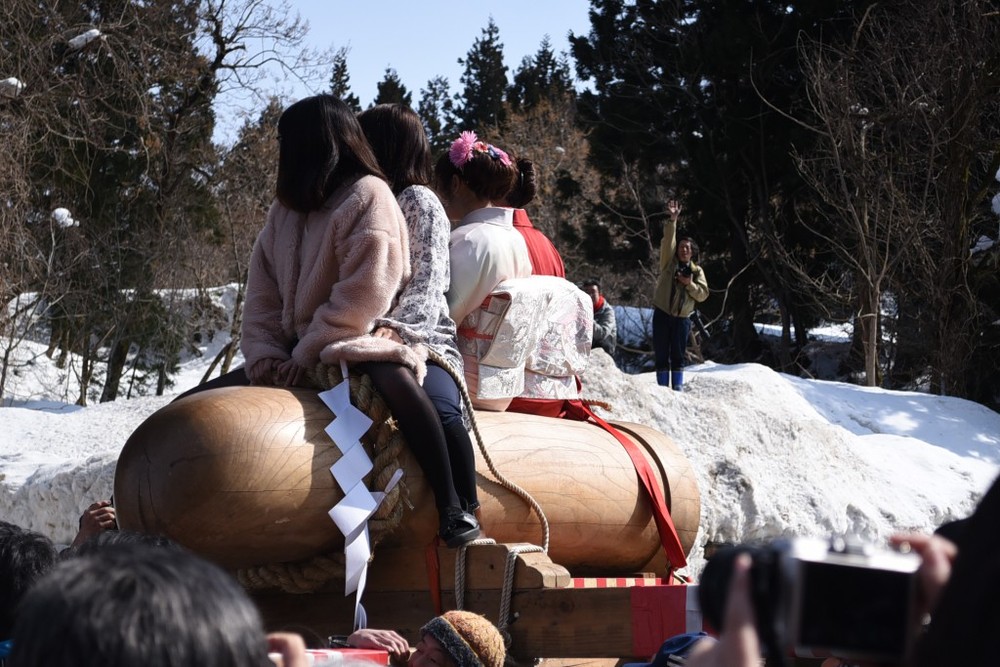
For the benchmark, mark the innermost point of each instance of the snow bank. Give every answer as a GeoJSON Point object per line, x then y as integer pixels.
{"type": "Point", "coordinates": [770, 462]}
{"type": "Point", "coordinates": [54, 464]}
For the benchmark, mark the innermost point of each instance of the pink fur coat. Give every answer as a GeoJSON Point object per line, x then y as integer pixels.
{"type": "Point", "coordinates": [317, 282]}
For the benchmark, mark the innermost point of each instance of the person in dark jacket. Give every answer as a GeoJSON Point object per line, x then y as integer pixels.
{"type": "Point", "coordinates": [605, 329]}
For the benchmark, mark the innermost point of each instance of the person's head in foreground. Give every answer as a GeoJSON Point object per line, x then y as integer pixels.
{"type": "Point", "coordinates": [459, 639]}
{"type": "Point", "coordinates": [25, 556]}
{"type": "Point", "coordinates": [127, 607]}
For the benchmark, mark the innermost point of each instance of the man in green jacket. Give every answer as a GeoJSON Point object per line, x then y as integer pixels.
{"type": "Point", "coordinates": [681, 285]}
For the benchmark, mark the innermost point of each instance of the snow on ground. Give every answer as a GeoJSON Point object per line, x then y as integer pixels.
{"type": "Point", "coordinates": [777, 454]}
{"type": "Point", "coordinates": [774, 454]}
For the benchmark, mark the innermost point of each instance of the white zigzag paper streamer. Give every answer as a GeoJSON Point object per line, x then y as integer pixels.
{"type": "Point", "coordinates": [351, 514]}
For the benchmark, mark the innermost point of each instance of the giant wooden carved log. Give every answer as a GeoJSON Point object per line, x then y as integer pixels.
{"type": "Point", "coordinates": [241, 476]}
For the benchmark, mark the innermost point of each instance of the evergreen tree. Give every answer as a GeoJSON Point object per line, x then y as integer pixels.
{"type": "Point", "coordinates": [481, 102]}
{"type": "Point", "coordinates": [437, 111]}
{"type": "Point", "coordinates": [687, 98]}
{"type": "Point", "coordinates": [391, 90]}
{"type": "Point", "coordinates": [340, 81]}
{"type": "Point", "coordinates": [123, 126]}
{"type": "Point", "coordinates": [542, 76]}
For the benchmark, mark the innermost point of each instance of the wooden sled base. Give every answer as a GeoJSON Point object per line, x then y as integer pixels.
{"type": "Point", "coordinates": [548, 618]}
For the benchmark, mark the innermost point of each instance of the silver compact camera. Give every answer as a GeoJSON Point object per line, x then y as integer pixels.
{"type": "Point", "coordinates": [815, 597]}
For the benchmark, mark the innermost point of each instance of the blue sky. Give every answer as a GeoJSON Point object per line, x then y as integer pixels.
{"type": "Point", "coordinates": [425, 38]}
{"type": "Point", "coordinates": [420, 39]}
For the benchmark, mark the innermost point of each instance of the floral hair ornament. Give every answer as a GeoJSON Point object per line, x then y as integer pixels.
{"type": "Point", "coordinates": [498, 154]}
{"type": "Point", "coordinates": [463, 148]}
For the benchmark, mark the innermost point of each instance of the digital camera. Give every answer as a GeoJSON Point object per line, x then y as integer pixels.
{"type": "Point", "coordinates": [684, 270]}
{"type": "Point", "coordinates": [815, 597]}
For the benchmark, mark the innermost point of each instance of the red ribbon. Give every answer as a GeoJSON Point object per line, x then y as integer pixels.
{"type": "Point", "coordinates": [579, 411]}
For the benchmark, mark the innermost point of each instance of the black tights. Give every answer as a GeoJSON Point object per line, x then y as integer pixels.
{"type": "Point", "coordinates": [421, 426]}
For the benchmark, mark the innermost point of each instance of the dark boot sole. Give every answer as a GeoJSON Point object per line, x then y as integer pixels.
{"type": "Point", "coordinates": [462, 538]}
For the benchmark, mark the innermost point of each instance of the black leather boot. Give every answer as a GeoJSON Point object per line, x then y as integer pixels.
{"type": "Point", "coordinates": [458, 527]}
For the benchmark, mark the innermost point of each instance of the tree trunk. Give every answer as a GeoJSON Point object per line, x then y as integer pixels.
{"type": "Point", "coordinates": [3, 371]}
{"type": "Point", "coordinates": [86, 372]}
{"type": "Point", "coordinates": [868, 320]}
{"type": "Point", "coordinates": [116, 366]}
{"type": "Point", "coordinates": [161, 378]}
{"type": "Point", "coordinates": [746, 342]}
{"type": "Point", "coordinates": [237, 325]}
{"type": "Point", "coordinates": [785, 348]}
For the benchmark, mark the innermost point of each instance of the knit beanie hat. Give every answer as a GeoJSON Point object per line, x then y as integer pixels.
{"type": "Point", "coordinates": [470, 639]}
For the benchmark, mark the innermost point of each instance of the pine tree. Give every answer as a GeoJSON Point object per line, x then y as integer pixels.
{"type": "Point", "coordinates": [437, 111]}
{"type": "Point", "coordinates": [481, 102]}
{"type": "Point", "coordinates": [542, 76]}
{"type": "Point", "coordinates": [340, 80]}
{"type": "Point", "coordinates": [391, 90]}
{"type": "Point", "coordinates": [688, 97]}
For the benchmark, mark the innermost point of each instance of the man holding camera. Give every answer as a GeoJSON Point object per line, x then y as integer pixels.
{"type": "Point", "coordinates": [680, 287]}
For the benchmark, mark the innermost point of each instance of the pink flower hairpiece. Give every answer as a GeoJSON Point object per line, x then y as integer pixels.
{"type": "Point", "coordinates": [462, 150]}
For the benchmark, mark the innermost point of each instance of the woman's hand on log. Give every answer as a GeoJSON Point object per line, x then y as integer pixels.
{"type": "Point", "coordinates": [290, 374]}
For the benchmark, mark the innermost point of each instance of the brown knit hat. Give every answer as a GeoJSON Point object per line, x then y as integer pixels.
{"type": "Point", "coordinates": [470, 639]}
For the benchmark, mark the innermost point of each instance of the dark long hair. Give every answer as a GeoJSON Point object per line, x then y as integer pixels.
{"type": "Point", "coordinates": [399, 141]}
{"type": "Point", "coordinates": [321, 147]}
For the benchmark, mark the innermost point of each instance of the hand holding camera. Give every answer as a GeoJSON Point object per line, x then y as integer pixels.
{"type": "Point", "coordinates": [937, 555]}
{"type": "Point", "coordinates": [806, 596]}
{"type": "Point", "coordinates": [739, 645]}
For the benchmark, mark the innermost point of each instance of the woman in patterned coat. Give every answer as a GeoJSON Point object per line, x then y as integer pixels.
{"type": "Point", "coordinates": [420, 316]}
